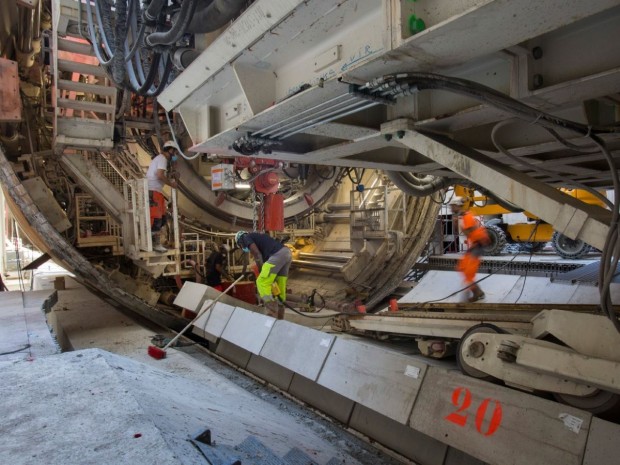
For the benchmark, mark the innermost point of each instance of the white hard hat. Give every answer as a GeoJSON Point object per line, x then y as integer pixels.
{"type": "Point", "coordinates": [169, 144]}
{"type": "Point", "coordinates": [457, 201]}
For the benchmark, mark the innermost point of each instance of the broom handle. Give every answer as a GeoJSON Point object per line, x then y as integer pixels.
{"type": "Point", "coordinates": [201, 313]}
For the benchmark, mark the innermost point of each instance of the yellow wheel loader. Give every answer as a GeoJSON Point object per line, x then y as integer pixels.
{"type": "Point", "coordinates": [507, 224]}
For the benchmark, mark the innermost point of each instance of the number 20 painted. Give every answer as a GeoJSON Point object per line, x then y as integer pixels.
{"type": "Point", "coordinates": [463, 402]}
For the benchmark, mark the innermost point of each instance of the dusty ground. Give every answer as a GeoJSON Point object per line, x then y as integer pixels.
{"type": "Point", "coordinates": [327, 429]}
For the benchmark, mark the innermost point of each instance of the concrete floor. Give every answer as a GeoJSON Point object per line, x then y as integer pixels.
{"type": "Point", "coordinates": [107, 401]}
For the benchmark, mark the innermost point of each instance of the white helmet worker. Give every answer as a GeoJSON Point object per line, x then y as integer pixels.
{"type": "Point", "coordinates": [170, 144]}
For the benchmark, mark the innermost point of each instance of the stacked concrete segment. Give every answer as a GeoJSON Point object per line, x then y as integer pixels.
{"type": "Point", "coordinates": [429, 414]}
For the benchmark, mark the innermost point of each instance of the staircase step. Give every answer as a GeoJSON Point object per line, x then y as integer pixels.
{"type": "Point", "coordinates": [72, 46]}
{"type": "Point", "coordinates": [84, 128]}
{"type": "Point", "coordinates": [96, 89]}
{"type": "Point", "coordinates": [82, 68]}
{"type": "Point", "coordinates": [86, 106]}
{"type": "Point", "coordinates": [83, 144]}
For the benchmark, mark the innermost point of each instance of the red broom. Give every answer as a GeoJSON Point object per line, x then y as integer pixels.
{"type": "Point", "coordinates": [159, 353]}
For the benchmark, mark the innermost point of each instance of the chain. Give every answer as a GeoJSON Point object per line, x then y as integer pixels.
{"type": "Point", "coordinates": [253, 208]}
{"type": "Point", "coordinates": [262, 212]}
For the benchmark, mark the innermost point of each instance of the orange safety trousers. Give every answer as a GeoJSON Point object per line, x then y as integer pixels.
{"type": "Point", "coordinates": [158, 206]}
{"type": "Point", "coordinates": [468, 265]}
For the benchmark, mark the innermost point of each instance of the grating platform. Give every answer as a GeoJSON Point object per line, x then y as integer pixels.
{"type": "Point", "coordinates": [588, 274]}
{"type": "Point", "coordinates": [535, 265]}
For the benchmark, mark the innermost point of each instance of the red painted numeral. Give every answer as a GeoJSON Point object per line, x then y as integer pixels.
{"type": "Point", "coordinates": [456, 417]}
{"type": "Point", "coordinates": [496, 419]}
{"type": "Point", "coordinates": [463, 402]}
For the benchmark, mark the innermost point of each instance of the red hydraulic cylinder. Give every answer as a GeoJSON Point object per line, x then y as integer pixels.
{"type": "Point", "coordinates": [274, 212]}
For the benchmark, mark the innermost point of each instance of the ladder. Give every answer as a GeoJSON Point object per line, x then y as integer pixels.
{"type": "Point", "coordinates": [83, 97]}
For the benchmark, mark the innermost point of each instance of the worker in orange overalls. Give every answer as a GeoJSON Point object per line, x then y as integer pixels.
{"type": "Point", "coordinates": [477, 239]}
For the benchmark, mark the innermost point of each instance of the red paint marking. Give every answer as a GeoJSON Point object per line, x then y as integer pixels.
{"type": "Point", "coordinates": [457, 417]}
{"type": "Point", "coordinates": [463, 402]}
{"type": "Point", "coordinates": [496, 419]}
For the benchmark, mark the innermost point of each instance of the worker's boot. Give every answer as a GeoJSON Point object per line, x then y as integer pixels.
{"type": "Point", "coordinates": [477, 293]}
{"type": "Point", "coordinates": [272, 308]}
{"type": "Point", "coordinates": [157, 247]}
{"type": "Point", "coordinates": [280, 311]}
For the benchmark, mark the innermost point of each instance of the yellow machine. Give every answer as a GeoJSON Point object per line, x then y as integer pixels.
{"type": "Point", "coordinates": [528, 231]}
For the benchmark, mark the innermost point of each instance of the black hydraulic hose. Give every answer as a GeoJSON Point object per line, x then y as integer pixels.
{"type": "Point", "coordinates": [118, 62]}
{"type": "Point", "coordinates": [511, 207]}
{"type": "Point", "coordinates": [152, 11]}
{"type": "Point", "coordinates": [178, 28]}
{"type": "Point", "coordinates": [214, 15]}
{"type": "Point", "coordinates": [100, 53]}
{"type": "Point", "coordinates": [408, 83]}
{"type": "Point", "coordinates": [406, 183]}
{"type": "Point", "coordinates": [104, 20]}
{"type": "Point", "coordinates": [133, 27]}
{"type": "Point", "coordinates": [145, 87]}
{"type": "Point", "coordinates": [164, 74]}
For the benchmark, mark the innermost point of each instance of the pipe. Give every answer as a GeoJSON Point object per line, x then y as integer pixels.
{"type": "Point", "coordinates": [333, 207]}
{"type": "Point", "coordinates": [36, 29]}
{"type": "Point", "coordinates": [153, 10]}
{"type": "Point", "coordinates": [183, 57]}
{"type": "Point", "coordinates": [324, 256]}
{"type": "Point", "coordinates": [178, 27]}
{"type": "Point", "coordinates": [25, 32]}
{"type": "Point", "coordinates": [333, 217]}
{"type": "Point", "coordinates": [25, 24]}
{"type": "Point", "coordinates": [411, 185]}
{"type": "Point", "coordinates": [214, 15]}
{"type": "Point", "coordinates": [317, 265]}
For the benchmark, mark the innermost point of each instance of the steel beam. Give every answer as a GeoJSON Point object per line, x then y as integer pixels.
{"type": "Point", "coordinates": [566, 214]}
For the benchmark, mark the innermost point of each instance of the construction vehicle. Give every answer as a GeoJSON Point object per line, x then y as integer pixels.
{"type": "Point", "coordinates": [508, 224]}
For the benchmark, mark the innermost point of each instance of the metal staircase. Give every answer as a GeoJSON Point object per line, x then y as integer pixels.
{"type": "Point", "coordinates": [84, 98]}
{"type": "Point", "coordinates": [137, 239]}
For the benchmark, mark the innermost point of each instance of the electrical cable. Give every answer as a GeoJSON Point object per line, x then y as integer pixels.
{"type": "Point", "coordinates": [358, 177]}
{"type": "Point", "coordinates": [177, 143]}
{"type": "Point", "coordinates": [402, 84]}
{"type": "Point", "coordinates": [328, 177]}
{"type": "Point", "coordinates": [286, 304]}
{"type": "Point", "coordinates": [27, 346]}
{"type": "Point", "coordinates": [611, 250]}
{"type": "Point", "coordinates": [527, 269]}
{"type": "Point", "coordinates": [539, 169]}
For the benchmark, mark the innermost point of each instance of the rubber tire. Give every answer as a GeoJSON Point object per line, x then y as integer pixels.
{"type": "Point", "coordinates": [599, 403]}
{"type": "Point", "coordinates": [568, 248]}
{"type": "Point", "coordinates": [498, 240]}
{"type": "Point", "coordinates": [460, 358]}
